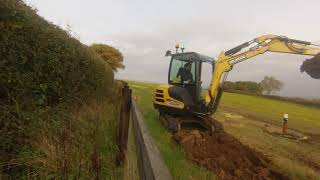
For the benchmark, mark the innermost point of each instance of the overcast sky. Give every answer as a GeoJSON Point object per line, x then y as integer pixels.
{"type": "Point", "coordinates": [144, 29]}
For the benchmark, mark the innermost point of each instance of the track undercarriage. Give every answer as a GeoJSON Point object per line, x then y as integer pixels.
{"type": "Point", "coordinates": [174, 123]}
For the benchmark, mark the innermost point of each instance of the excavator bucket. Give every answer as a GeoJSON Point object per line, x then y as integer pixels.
{"type": "Point", "coordinates": [312, 67]}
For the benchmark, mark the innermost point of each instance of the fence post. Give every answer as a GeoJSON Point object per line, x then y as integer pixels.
{"type": "Point", "coordinates": [122, 135]}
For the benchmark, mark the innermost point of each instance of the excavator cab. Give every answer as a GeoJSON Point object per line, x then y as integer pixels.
{"type": "Point", "coordinates": [180, 102]}
{"type": "Point", "coordinates": [184, 79]}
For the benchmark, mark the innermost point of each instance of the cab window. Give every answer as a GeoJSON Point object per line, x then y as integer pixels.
{"type": "Point", "coordinates": [182, 72]}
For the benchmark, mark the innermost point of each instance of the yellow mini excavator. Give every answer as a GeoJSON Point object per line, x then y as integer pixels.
{"type": "Point", "coordinates": [180, 102]}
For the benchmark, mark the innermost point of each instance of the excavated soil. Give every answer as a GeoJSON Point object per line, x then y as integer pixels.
{"type": "Point", "coordinates": [225, 156]}
{"type": "Point", "coordinates": [312, 67]}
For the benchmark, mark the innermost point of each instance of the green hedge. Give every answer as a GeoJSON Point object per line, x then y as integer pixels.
{"type": "Point", "coordinates": [44, 73]}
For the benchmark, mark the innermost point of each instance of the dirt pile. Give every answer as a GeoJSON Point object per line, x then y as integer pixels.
{"type": "Point", "coordinates": [312, 67]}
{"type": "Point", "coordinates": [225, 156]}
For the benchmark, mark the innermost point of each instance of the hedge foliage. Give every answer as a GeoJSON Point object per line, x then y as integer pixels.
{"type": "Point", "coordinates": [44, 73]}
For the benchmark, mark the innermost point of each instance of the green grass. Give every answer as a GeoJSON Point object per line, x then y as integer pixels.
{"type": "Point", "coordinates": [301, 117]}
{"type": "Point", "coordinates": [85, 148]}
{"type": "Point", "coordinates": [295, 159]}
{"type": "Point", "coordinates": [173, 155]}
{"type": "Point", "coordinates": [131, 170]}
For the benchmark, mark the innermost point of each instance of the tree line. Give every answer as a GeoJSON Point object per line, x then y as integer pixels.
{"type": "Point", "coordinates": [269, 85]}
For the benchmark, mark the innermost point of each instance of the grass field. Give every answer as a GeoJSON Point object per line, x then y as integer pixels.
{"type": "Point", "coordinates": [301, 117]}
{"type": "Point", "coordinates": [245, 117]}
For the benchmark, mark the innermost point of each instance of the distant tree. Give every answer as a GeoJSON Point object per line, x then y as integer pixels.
{"type": "Point", "coordinates": [270, 85]}
{"type": "Point", "coordinates": [109, 54]}
{"type": "Point", "coordinates": [245, 86]}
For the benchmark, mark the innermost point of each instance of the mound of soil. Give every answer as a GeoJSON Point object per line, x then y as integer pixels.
{"type": "Point", "coordinates": [225, 156]}
{"type": "Point", "coordinates": [312, 67]}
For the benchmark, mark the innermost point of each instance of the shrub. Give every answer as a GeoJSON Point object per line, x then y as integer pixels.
{"type": "Point", "coordinates": [44, 75]}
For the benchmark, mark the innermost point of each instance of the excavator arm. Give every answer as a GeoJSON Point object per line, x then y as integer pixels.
{"type": "Point", "coordinates": [247, 50]}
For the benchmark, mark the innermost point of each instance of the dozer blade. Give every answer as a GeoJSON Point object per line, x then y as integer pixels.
{"type": "Point", "coordinates": [175, 123]}
{"type": "Point", "coordinates": [312, 67]}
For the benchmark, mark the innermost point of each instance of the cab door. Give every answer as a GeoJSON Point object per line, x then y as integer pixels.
{"type": "Point", "coordinates": [175, 79]}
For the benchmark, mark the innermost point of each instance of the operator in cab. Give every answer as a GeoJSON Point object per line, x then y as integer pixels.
{"type": "Point", "coordinates": [185, 73]}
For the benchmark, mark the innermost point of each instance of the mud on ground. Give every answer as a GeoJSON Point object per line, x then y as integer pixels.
{"type": "Point", "coordinates": [227, 157]}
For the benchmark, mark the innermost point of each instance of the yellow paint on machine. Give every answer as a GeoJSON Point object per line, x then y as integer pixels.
{"type": "Point", "coordinates": [162, 97]}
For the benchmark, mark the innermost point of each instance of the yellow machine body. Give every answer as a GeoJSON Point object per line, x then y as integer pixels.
{"type": "Point", "coordinates": [162, 98]}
